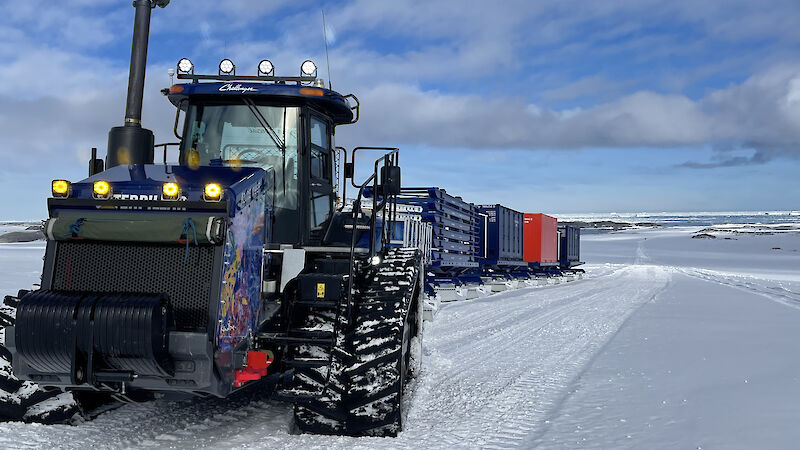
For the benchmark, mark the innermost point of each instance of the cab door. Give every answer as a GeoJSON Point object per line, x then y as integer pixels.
{"type": "Point", "coordinates": [321, 176]}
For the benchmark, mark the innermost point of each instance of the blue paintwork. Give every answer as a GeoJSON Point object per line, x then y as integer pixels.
{"type": "Point", "coordinates": [570, 249]}
{"type": "Point", "coordinates": [331, 102]}
{"type": "Point", "coordinates": [500, 235]}
{"type": "Point", "coordinates": [144, 182]}
{"type": "Point", "coordinates": [454, 223]}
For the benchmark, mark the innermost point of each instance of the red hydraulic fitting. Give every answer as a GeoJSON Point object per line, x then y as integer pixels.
{"type": "Point", "coordinates": [256, 368]}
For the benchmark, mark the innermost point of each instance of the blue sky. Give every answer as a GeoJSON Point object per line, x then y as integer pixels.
{"type": "Point", "coordinates": [556, 106]}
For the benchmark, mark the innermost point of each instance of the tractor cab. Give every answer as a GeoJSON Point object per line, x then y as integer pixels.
{"type": "Point", "coordinates": [286, 124]}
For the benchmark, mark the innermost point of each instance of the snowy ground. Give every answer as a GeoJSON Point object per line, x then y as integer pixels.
{"type": "Point", "coordinates": [669, 342]}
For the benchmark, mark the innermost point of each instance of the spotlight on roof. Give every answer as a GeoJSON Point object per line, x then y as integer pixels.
{"type": "Point", "coordinates": [308, 68]}
{"type": "Point", "coordinates": [265, 67]}
{"type": "Point", "coordinates": [185, 66]}
{"type": "Point", "coordinates": [227, 67]}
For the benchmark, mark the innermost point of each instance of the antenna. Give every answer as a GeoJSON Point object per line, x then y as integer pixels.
{"type": "Point", "coordinates": [327, 59]}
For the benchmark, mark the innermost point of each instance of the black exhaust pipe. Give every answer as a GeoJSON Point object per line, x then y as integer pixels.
{"type": "Point", "coordinates": [132, 144]}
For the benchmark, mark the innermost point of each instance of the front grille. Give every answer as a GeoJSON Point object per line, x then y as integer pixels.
{"type": "Point", "coordinates": [143, 269]}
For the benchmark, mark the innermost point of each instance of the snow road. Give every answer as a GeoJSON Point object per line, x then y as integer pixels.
{"type": "Point", "coordinates": [494, 371]}
{"type": "Point", "coordinates": [669, 342]}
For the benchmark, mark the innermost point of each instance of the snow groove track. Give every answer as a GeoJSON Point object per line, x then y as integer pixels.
{"type": "Point", "coordinates": [503, 364]}
{"type": "Point", "coordinates": [495, 370]}
{"type": "Point", "coordinates": [785, 292]}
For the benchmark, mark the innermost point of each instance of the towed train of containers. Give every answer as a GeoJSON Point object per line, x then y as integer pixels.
{"type": "Point", "coordinates": [477, 249]}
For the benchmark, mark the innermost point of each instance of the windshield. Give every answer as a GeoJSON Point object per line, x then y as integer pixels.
{"type": "Point", "coordinates": [246, 134]}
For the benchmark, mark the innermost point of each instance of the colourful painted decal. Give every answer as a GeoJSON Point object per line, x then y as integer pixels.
{"type": "Point", "coordinates": [240, 297]}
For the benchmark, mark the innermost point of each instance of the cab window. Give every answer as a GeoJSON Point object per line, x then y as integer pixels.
{"type": "Point", "coordinates": [320, 210]}
{"type": "Point", "coordinates": [235, 135]}
{"type": "Point", "coordinates": [320, 149]}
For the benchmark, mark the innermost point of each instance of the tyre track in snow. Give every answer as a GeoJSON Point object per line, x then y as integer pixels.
{"type": "Point", "coordinates": [494, 369]}
{"type": "Point", "coordinates": [501, 364]}
{"type": "Point", "coordinates": [787, 293]}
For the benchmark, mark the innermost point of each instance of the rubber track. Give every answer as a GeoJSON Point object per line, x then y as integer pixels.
{"type": "Point", "coordinates": [368, 366]}
{"type": "Point", "coordinates": [24, 400]}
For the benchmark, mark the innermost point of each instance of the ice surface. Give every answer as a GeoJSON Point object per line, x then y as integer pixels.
{"type": "Point", "coordinates": [668, 342]}
{"type": "Point", "coordinates": [704, 366]}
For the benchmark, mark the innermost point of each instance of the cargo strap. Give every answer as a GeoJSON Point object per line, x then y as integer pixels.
{"type": "Point", "coordinates": [187, 224]}
{"type": "Point", "coordinates": [75, 228]}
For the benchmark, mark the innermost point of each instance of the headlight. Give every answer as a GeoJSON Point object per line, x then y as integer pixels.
{"type": "Point", "coordinates": [102, 190]}
{"type": "Point", "coordinates": [265, 67]}
{"type": "Point", "coordinates": [61, 188]}
{"type": "Point", "coordinates": [170, 191]}
{"type": "Point", "coordinates": [212, 192]}
{"type": "Point", "coordinates": [308, 68]}
{"type": "Point", "coordinates": [185, 66]}
{"type": "Point", "coordinates": [226, 66]}
{"type": "Point", "coordinates": [375, 260]}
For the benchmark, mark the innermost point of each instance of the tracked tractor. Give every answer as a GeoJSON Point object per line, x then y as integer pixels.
{"type": "Point", "coordinates": [241, 264]}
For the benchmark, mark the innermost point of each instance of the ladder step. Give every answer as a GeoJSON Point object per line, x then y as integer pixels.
{"type": "Point", "coordinates": [306, 363]}
{"type": "Point", "coordinates": [294, 398]}
{"type": "Point", "coordinates": [349, 226]}
{"type": "Point", "coordinates": [316, 304]}
{"type": "Point", "coordinates": [321, 338]}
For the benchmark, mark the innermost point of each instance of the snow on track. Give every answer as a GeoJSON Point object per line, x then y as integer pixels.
{"type": "Point", "coordinates": [786, 292]}
{"type": "Point", "coordinates": [496, 367]}
{"type": "Point", "coordinates": [494, 370]}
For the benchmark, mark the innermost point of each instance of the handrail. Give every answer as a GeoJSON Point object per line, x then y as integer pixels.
{"type": "Point", "coordinates": [356, 108]}
{"type": "Point", "coordinates": [344, 177]}
{"type": "Point", "coordinates": [177, 119]}
{"type": "Point", "coordinates": [389, 159]}
{"type": "Point", "coordinates": [165, 145]}
{"type": "Point", "coordinates": [391, 150]}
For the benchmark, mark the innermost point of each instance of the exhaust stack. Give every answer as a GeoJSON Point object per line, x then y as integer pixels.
{"type": "Point", "coordinates": [130, 143]}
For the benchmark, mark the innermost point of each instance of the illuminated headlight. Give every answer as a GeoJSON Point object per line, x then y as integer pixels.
{"type": "Point", "coordinates": [61, 188]}
{"type": "Point", "coordinates": [308, 68]}
{"type": "Point", "coordinates": [375, 260]}
{"type": "Point", "coordinates": [226, 66]}
{"type": "Point", "coordinates": [185, 66]}
{"type": "Point", "coordinates": [212, 192]}
{"type": "Point", "coordinates": [265, 67]}
{"type": "Point", "coordinates": [170, 191]}
{"type": "Point", "coordinates": [102, 190]}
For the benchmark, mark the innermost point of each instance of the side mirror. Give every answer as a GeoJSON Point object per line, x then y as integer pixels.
{"type": "Point", "coordinates": [95, 165]}
{"type": "Point", "coordinates": [349, 170]}
{"type": "Point", "coordinates": [390, 180]}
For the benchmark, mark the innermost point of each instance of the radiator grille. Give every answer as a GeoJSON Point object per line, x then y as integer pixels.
{"type": "Point", "coordinates": [140, 268]}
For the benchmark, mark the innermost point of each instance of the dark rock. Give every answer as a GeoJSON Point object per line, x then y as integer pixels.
{"type": "Point", "coordinates": [704, 236]}
{"type": "Point", "coordinates": [22, 236]}
{"type": "Point", "coordinates": [609, 225]}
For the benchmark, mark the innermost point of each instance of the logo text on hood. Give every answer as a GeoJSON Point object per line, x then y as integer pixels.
{"type": "Point", "coordinates": [236, 88]}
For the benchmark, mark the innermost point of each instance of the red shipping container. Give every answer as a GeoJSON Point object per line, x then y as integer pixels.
{"type": "Point", "coordinates": [540, 239]}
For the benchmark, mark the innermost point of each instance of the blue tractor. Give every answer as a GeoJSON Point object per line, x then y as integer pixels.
{"type": "Point", "coordinates": [240, 267]}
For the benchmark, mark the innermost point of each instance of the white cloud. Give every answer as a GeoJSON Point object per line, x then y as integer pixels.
{"type": "Point", "coordinates": [80, 94]}
{"type": "Point", "coordinates": [758, 113]}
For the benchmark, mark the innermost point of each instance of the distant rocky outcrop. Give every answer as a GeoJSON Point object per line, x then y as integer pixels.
{"type": "Point", "coordinates": [31, 233]}
{"type": "Point", "coordinates": [703, 236]}
{"type": "Point", "coordinates": [21, 236]}
{"type": "Point", "coordinates": [610, 225]}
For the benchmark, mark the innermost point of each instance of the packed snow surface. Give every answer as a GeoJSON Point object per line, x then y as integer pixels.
{"type": "Point", "coordinates": [668, 342]}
